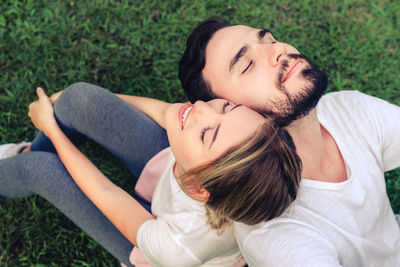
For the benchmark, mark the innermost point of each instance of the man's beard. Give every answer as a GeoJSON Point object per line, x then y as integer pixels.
{"type": "Point", "coordinates": [294, 107]}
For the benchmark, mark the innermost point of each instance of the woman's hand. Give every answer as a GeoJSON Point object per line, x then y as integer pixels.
{"type": "Point", "coordinates": [53, 98]}
{"type": "Point", "coordinates": [41, 112]}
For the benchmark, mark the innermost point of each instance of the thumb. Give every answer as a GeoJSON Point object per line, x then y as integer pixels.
{"type": "Point", "coordinates": [40, 92]}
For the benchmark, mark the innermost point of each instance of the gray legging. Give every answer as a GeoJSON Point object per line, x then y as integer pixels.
{"type": "Point", "coordinates": [91, 111]}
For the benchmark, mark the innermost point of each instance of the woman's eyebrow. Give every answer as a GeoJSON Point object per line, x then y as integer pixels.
{"type": "Point", "coordinates": [215, 136]}
{"type": "Point", "coordinates": [216, 131]}
{"type": "Point", "coordinates": [238, 105]}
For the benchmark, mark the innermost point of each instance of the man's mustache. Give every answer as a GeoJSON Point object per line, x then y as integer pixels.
{"type": "Point", "coordinates": [285, 64]}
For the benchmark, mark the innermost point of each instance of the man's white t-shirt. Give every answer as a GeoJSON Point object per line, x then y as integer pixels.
{"type": "Point", "coordinates": [339, 224]}
{"type": "Point", "coordinates": [180, 236]}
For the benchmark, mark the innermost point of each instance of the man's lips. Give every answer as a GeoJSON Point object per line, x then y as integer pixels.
{"type": "Point", "coordinates": [296, 65]}
{"type": "Point", "coordinates": [184, 113]}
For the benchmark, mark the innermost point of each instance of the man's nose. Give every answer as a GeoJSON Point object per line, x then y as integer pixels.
{"type": "Point", "coordinates": [273, 53]}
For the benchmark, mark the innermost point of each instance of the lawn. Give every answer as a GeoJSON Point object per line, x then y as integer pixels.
{"type": "Point", "coordinates": [134, 47]}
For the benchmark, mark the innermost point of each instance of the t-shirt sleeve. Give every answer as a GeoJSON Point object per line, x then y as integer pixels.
{"type": "Point", "coordinates": [161, 245]}
{"type": "Point", "coordinates": [386, 119]}
{"type": "Point", "coordinates": [289, 245]}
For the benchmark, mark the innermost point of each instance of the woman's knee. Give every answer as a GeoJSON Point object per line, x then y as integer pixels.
{"type": "Point", "coordinates": [82, 92]}
{"type": "Point", "coordinates": [79, 100]}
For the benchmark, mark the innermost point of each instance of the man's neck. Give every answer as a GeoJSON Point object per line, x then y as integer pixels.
{"type": "Point", "coordinates": [320, 156]}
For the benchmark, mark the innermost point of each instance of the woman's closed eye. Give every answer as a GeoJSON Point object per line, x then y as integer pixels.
{"type": "Point", "coordinates": [203, 132]}
{"type": "Point", "coordinates": [226, 104]}
{"type": "Point", "coordinates": [223, 111]}
{"type": "Point", "coordinates": [205, 129]}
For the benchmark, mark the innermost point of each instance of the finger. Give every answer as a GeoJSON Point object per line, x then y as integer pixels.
{"type": "Point", "coordinates": [54, 97]}
{"type": "Point", "coordinates": [40, 92]}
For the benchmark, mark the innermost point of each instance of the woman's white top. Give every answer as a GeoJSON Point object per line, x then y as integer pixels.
{"type": "Point", "coordinates": [180, 236]}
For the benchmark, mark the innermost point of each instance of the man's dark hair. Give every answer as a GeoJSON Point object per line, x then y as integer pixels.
{"type": "Point", "coordinates": [194, 60]}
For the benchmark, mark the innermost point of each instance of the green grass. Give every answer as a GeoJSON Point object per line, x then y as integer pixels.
{"type": "Point", "coordinates": [134, 47]}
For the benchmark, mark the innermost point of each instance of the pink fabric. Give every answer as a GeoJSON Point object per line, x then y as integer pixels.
{"type": "Point", "coordinates": [240, 263]}
{"type": "Point", "coordinates": [151, 174]}
{"type": "Point", "coordinates": [136, 258]}
{"type": "Point", "coordinates": [145, 186]}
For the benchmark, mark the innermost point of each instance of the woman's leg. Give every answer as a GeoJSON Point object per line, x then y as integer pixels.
{"type": "Point", "coordinates": [88, 110]}
{"type": "Point", "coordinates": [44, 174]}
{"type": "Point", "coordinates": [91, 111]}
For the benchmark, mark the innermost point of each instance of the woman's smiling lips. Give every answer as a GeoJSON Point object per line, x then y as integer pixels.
{"type": "Point", "coordinates": [183, 114]}
{"type": "Point", "coordinates": [292, 70]}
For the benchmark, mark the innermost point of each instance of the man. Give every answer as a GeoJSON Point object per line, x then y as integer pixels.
{"type": "Point", "coordinates": [342, 215]}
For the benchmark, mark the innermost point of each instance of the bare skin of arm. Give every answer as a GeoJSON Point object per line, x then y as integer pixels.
{"type": "Point", "coordinates": [116, 204]}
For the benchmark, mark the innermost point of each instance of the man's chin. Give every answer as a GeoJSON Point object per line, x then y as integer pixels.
{"type": "Point", "coordinates": [299, 105]}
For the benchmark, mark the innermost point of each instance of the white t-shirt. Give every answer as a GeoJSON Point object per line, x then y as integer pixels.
{"type": "Point", "coordinates": [180, 236]}
{"type": "Point", "coordinates": [349, 223]}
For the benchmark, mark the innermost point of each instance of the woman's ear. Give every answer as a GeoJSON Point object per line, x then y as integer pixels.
{"type": "Point", "coordinates": [199, 194]}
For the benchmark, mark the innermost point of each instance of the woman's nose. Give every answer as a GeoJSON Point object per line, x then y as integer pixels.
{"type": "Point", "coordinates": [203, 110]}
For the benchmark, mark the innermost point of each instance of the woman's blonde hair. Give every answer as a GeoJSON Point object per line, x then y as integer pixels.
{"type": "Point", "coordinates": [252, 182]}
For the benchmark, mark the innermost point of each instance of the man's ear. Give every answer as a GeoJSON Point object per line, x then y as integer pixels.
{"type": "Point", "coordinates": [199, 194]}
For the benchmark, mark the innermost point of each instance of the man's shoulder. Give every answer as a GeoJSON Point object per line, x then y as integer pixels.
{"type": "Point", "coordinates": [346, 96]}
{"type": "Point", "coordinates": [352, 105]}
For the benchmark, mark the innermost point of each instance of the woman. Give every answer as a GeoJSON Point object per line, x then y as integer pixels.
{"type": "Point", "coordinates": [228, 163]}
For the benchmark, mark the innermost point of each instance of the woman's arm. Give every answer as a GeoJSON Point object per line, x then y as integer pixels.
{"type": "Point", "coordinates": [117, 205]}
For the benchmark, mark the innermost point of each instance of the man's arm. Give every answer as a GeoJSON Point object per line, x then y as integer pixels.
{"type": "Point", "coordinates": [117, 205]}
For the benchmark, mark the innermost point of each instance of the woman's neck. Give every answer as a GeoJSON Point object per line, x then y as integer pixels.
{"type": "Point", "coordinates": [178, 170]}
